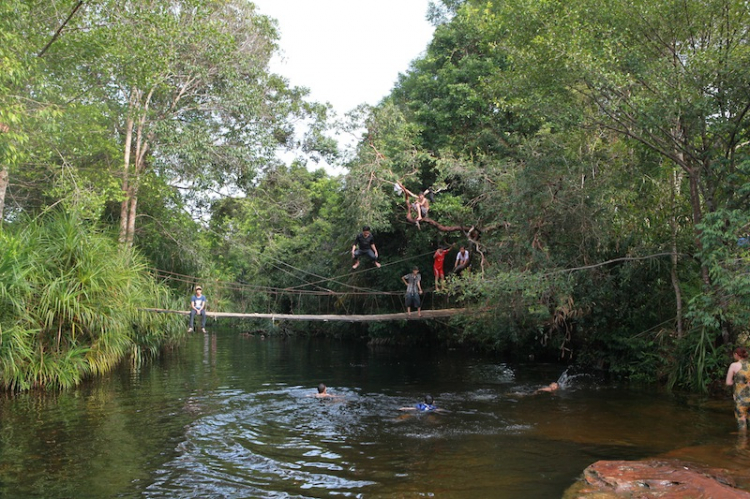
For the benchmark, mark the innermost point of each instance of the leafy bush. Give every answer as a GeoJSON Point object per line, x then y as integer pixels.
{"type": "Point", "coordinates": [71, 304]}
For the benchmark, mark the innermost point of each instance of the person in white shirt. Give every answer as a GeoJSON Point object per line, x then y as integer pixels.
{"type": "Point", "coordinates": [462, 261]}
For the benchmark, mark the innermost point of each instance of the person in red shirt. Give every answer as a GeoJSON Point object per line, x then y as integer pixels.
{"type": "Point", "coordinates": [437, 266]}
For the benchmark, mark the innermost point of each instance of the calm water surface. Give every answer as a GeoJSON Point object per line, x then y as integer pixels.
{"type": "Point", "coordinates": [230, 416]}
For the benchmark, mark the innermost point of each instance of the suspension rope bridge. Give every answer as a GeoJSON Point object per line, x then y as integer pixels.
{"type": "Point", "coordinates": [318, 283]}
{"type": "Point", "coordinates": [426, 314]}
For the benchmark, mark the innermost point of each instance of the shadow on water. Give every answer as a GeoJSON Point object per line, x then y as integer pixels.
{"type": "Point", "coordinates": [233, 416]}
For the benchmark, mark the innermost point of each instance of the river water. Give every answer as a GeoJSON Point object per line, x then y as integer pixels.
{"type": "Point", "coordinates": [228, 415]}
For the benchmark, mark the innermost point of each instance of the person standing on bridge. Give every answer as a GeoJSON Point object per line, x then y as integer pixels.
{"type": "Point", "coordinates": [437, 266]}
{"type": "Point", "coordinates": [198, 307]}
{"type": "Point", "coordinates": [365, 245]}
{"type": "Point", "coordinates": [413, 283]}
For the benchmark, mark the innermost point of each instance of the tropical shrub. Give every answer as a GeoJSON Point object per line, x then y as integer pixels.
{"type": "Point", "coordinates": [71, 304]}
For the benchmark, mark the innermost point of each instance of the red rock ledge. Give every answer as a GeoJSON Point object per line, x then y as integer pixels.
{"type": "Point", "coordinates": [654, 479]}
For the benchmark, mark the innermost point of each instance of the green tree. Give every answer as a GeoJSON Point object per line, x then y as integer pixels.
{"type": "Point", "coordinates": [186, 89]}
{"type": "Point", "coordinates": [16, 63]}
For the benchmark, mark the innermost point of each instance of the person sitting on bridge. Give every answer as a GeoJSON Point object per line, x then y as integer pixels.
{"type": "Point", "coordinates": [198, 307]}
{"type": "Point", "coordinates": [364, 245]}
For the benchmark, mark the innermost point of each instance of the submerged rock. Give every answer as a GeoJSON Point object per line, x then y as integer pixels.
{"type": "Point", "coordinates": [654, 479]}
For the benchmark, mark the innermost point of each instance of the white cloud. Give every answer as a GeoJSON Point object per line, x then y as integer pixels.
{"type": "Point", "coordinates": [348, 52]}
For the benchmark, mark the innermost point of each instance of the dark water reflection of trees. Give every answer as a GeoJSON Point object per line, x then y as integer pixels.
{"type": "Point", "coordinates": [231, 416]}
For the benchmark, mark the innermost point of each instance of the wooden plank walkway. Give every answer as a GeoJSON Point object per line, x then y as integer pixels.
{"type": "Point", "coordinates": [426, 314]}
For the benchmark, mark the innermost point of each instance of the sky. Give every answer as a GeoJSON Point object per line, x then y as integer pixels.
{"type": "Point", "coordinates": [347, 52]}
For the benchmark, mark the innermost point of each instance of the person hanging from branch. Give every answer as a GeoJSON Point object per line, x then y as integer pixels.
{"type": "Point", "coordinates": [399, 188]}
{"type": "Point", "coordinates": [421, 204]}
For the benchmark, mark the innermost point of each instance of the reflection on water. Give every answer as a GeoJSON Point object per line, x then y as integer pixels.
{"type": "Point", "coordinates": [233, 416]}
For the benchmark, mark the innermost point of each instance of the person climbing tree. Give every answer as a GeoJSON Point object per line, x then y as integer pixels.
{"type": "Point", "coordinates": [421, 205]}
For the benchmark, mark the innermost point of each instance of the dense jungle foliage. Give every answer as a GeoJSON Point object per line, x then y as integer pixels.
{"type": "Point", "coordinates": [592, 157]}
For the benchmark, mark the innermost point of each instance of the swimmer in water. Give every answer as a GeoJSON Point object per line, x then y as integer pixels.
{"type": "Point", "coordinates": [427, 406]}
{"type": "Point", "coordinates": [552, 387]}
{"type": "Point", "coordinates": [323, 392]}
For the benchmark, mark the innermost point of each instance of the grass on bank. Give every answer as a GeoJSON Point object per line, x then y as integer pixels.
{"type": "Point", "coordinates": [69, 304]}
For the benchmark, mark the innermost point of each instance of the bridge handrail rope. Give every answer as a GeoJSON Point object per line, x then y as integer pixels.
{"type": "Point", "coordinates": [297, 289]}
{"type": "Point", "coordinates": [187, 279]}
{"type": "Point", "coordinates": [406, 259]}
{"type": "Point", "coordinates": [323, 279]}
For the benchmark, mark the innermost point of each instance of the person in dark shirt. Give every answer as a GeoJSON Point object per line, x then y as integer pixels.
{"type": "Point", "coordinates": [364, 245]}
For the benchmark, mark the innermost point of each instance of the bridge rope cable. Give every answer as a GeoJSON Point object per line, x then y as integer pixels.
{"type": "Point", "coordinates": [297, 290]}
{"type": "Point", "coordinates": [365, 270]}
{"type": "Point", "coordinates": [234, 285]}
{"type": "Point", "coordinates": [188, 279]}
{"type": "Point", "coordinates": [323, 279]}
{"type": "Point", "coordinates": [335, 278]}
{"type": "Point", "coordinates": [238, 286]}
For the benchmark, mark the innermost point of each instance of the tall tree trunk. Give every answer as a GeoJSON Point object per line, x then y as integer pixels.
{"type": "Point", "coordinates": [695, 203]}
{"type": "Point", "coordinates": [125, 206]}
{"type": "Point", "coordinates": [133, 175]}
{"type": "Point", "coordinates": [3, 188]}
{"type": "Point", "coordinates": [141, 149]}
{"type": "Point", "coordinates": [676, 179]}
{"type": "Point", "coordinates": [131, 216]}
{"type": "Point", "coordinates": [3, 178]}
